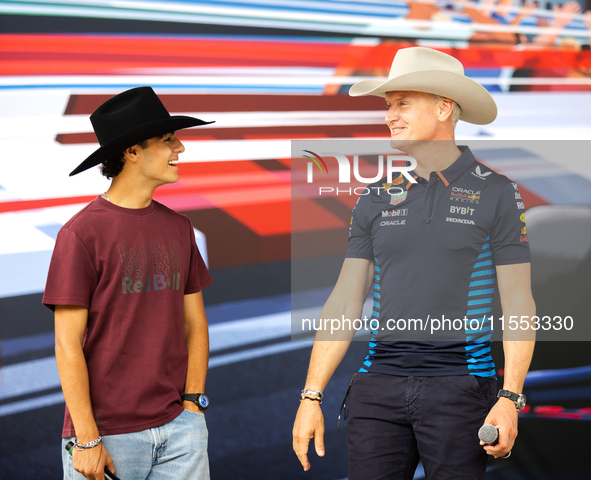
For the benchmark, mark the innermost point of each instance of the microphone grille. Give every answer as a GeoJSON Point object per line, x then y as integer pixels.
{"type": "Point", "coordinates": [488, 433]}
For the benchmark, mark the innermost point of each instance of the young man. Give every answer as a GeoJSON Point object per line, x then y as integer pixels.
{"type": "Point", "coordinates": [420, 396]}
{"type": "Point", "coordinates": [125, 283]}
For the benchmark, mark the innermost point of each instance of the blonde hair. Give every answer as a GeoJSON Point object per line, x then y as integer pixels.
{"type": "Point", "coordinates": [455, 113]}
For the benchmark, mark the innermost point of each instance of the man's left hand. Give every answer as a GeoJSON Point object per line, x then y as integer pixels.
{"type": "Point", "coordinates": [191, 406]}
{"type": "Point", "coordinates": [503, 416]}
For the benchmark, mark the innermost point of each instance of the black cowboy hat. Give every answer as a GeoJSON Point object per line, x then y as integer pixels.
{"type": "Point", "coordinates": [128, 119]}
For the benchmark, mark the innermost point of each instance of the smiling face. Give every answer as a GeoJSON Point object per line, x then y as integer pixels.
{"type": "Point", "coordinates": [157, 161]}
{"type": "Point", "coordinates": [411, 116]}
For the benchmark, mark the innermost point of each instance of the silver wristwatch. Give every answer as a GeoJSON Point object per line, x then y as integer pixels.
{"type": "Point", "coordinates": [518, 398]}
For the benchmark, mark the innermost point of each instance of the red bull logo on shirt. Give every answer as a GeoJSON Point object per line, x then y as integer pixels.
{"type": "Point", "coordinates": [153, 270]}
{"type": "Point", "coordinates": [465, 195]}
{"type": "Point", "coordinates": [395, 182]}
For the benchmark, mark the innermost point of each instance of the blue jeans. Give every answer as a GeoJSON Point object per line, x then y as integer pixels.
{"type": "Point", "coordinates": [174, 451]}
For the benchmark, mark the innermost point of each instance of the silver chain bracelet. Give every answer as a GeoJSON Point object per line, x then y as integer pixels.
{"type": "Point", "coordinates": [309, 391]}
{"type": "Point", "coordinates": [85, 446]}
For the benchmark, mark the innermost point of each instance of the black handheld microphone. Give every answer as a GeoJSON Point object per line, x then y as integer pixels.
{"type": "Point", "coordinates": [488, 434]}
{"type": "Point", "coordinates": [108, 474]}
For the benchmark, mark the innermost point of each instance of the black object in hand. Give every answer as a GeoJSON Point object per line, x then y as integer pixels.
{"type": "Point", "coordinates": [108, 474]}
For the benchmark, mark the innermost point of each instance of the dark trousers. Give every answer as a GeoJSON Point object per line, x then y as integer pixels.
{"type": "Point", "coordinates": [392, 422]}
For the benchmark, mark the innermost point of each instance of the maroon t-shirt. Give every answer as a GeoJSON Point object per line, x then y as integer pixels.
{"type": "Point", "coordinates": [131, 268]}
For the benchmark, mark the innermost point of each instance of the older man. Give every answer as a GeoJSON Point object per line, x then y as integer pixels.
{"type": "Point", "coordinates": [416, 398]}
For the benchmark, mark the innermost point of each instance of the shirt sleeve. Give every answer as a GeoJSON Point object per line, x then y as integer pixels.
{"type": "Point", "coordinates": [360, 241]}
{"type": "Point", "coordinates": [72, 276]}
{"type": "Point", "coordinates": [199, 276]}
{"type": "Point", "coordinates": [508, 239]}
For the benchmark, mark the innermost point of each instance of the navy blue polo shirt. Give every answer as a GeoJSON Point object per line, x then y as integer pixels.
{"type": "Point", "coordinates": [435, 245]}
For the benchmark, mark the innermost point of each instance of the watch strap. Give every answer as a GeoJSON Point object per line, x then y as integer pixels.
{"type": "Point", "coordinates": [517, 398]}
{"type": "Point", "coordinates": [508, 394]}
{"type": "Point", "coordinates": [191, 397]}
{"type": "Point", "coordinates": [199, 399]}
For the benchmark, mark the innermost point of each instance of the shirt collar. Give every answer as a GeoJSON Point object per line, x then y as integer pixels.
{"type": "Point", "coordinates": [455, 170]}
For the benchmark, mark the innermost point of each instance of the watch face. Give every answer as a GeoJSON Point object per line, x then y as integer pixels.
{"type": "Point", "coordinates": [203, 401]}
{"type": "Point", "coordinates": [520, 402]}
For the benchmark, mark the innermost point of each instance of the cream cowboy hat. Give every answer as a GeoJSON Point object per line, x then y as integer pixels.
{"type": "Point", "coordinates": [420, 69]}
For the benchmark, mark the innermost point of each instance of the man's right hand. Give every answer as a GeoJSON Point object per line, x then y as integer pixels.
{"type": "Point", "coordinates": [91, 462]}
{"type": "Point", "coordinates": [353, 285]}
{"type": "Point", "coordinates": [309, 423]}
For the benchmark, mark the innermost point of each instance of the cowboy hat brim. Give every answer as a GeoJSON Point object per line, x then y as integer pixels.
{"type": "Point", "coordinates": [476, 104]}
{"type": "Point", "coordinates": [135, 136]}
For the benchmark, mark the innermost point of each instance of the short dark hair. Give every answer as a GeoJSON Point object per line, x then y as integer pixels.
{"type": "Point", "coordinates": [112, 166]}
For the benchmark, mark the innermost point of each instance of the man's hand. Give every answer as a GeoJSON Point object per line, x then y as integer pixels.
{"type": "Point", "coordinates": [91, 462]}
{"type": "Point", "coordinates": [191, 406]}
{"type": "Point", "coordinates": [355, 280]}
{"type": "Point", "coordinates": [503, 416]}
{"type": "Point", "coordinates": [309, 423]}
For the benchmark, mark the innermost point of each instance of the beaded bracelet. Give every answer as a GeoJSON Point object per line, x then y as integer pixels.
{"type": "Point", "coordinates": [85, 446]}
